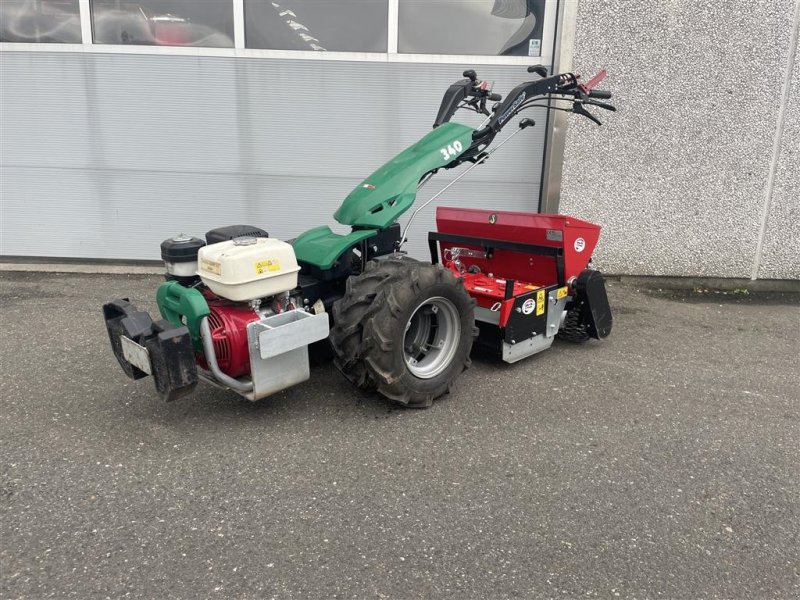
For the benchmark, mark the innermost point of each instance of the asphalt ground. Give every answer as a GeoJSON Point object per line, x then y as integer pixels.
{"type": "Point", "coordinates": [659, 463]}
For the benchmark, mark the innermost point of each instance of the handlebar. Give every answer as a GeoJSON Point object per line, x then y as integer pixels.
{"type": "Point", "coordinates": [602, 94]}
{"type": "Point", "coordinates": [472, 94]}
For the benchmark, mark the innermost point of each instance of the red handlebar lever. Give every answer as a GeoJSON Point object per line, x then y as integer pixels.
{"type": "Point", "coordinates": [592, 83]}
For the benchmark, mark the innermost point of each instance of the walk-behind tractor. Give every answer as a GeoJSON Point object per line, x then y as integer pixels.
{"type": "Point", "coordinates": [240, 309]}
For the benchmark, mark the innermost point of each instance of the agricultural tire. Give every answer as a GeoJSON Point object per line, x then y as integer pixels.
{"type": "Point", "coordinates": [415, 335]}
{"type": "Point", "coordinates": [351, 312]}
{"type": "Point", "coordinates": [574, 328]}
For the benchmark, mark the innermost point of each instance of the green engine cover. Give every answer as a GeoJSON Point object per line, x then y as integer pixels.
{"type": "Point", "coordinates": [381, 198]}
{"type": "Point", "coordinates": [321, 247]}
{"type": "Point", "coordinates": [390, 191]}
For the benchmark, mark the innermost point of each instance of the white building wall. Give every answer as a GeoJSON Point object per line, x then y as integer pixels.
{"type": "Point", "coordinates": [679, 176]}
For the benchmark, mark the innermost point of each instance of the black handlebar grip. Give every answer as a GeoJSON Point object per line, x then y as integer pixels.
{"type": "Point", "coordinates": [600, 94]}
{"type": "Point", "coordinates": [471, 75]}
{"type": "Point", "coordinates": [495, 97]}
{"type": "Point", "coordinates": [540, 70]}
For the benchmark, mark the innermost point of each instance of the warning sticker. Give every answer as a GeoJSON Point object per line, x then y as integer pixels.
{"type": "Point", "coordinates": [561, 293]}
{"type": "Point", "coordinates": [534, 47]}
{"type": "Point", "coordinates": [265, 266]}
{"type": "Point", "coordinates": [211, 266]}
{"type": "Point", "coordinates": [539, 302]}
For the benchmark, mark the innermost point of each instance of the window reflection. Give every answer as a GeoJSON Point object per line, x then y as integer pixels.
{"type": "Point", "coordinates": [485, 27]}
{"type": "Point", "coordinates": [44, 21]}
{"type": "Point", "coordinates": [336, 25]}
{"type": "Point", "coordinates": [206, 23]}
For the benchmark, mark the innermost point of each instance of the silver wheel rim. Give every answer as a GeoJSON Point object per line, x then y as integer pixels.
{"type": "Point", "coordinates": [431, 337]}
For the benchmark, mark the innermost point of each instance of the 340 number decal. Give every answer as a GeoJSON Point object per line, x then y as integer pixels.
{"type": "Point", "coordinates": [452, 150]}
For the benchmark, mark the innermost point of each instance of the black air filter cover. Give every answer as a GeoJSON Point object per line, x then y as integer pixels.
{"type": "Point", "coordinates": [181, 248]}
{"type": "Point", "coordinates": [223, 234]}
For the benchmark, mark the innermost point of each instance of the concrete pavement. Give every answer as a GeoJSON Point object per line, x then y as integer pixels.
{"type": "Point", "coordinates": [660, 463]}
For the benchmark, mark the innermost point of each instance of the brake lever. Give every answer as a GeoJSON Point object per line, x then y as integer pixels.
{"type": "Point", "coordinates": [602, 105]}
{"type": "Point", "coordinates": [472, 103]}
{"type": "Point", "coordinates": [577, 108]}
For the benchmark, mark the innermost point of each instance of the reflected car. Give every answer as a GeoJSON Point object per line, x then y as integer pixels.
{"type": "Point", "coordinates": [138, 25]}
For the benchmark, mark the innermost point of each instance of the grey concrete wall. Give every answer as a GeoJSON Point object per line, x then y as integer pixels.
{"type": "Point", "coordinates": [678, 177]}
{"type": "Point", "coordinates": [779, 256]}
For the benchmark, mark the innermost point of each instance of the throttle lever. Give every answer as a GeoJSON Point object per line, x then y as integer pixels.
{"type": "Point", "coordinates": [577, 107]}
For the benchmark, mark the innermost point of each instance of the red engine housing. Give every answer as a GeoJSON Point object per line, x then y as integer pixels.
{"type": "Point", "coordinates": [228, 323]}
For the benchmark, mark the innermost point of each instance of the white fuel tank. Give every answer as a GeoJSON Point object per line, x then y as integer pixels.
{"type": "Point", "coordinates": [244, 269]}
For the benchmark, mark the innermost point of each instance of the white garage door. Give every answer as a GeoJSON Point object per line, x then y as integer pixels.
{"type": "Point", "coordinates": [269, 119]}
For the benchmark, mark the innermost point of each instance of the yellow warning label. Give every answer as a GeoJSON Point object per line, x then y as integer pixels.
{"type": "Point", "coordinates": [265, 266]}
{"type": "Point", "coordinates": [561, 293]}
{"type": "Point", "coordinates": [539, 302]}
{"type": "Point", "coordinates": [211, 266]}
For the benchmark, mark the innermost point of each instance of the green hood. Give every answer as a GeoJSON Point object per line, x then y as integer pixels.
{"type": "Point", "coordinates": [391, 190]}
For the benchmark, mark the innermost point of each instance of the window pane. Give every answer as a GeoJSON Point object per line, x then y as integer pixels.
{"type": "Point", "coordinates": [54, 21]}
{"type": "Point", "coordinates": [206, 23]}
{"type": "Point", "coordinates": [488, 27]}
{"type": "Point", "coordinates": [336, 25]}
